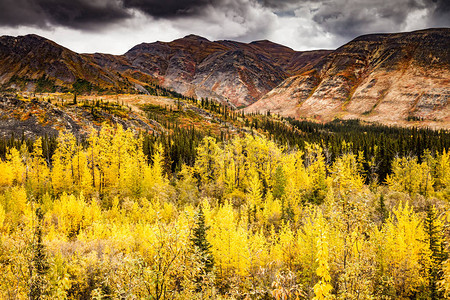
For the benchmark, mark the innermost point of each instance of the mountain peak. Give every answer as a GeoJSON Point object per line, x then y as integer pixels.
{"type": "Point", "coordinates": [195, 37]}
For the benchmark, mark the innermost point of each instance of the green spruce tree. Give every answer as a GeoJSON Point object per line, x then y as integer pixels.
{"type": "Point", "coordinates": [437, 254]}
{"type": "Point", "coordinates": [39, 265]}
{"type": "Point", "coordinates": [202, 246]}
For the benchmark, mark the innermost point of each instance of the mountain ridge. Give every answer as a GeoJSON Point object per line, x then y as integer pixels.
{"type": "Point", "coordinates": [188, 65]}
{"type": "Point", "coordinates": [381, 77]}
{"type": "Point", "coordinates": [402, 75]}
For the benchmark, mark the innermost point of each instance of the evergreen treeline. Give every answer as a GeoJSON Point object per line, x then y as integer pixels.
{"type": "Point", "coordinates": [379, 143]}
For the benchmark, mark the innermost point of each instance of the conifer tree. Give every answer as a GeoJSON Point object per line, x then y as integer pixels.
{"type": "Point", "coordinates": [436, 255]}
{"type": "Point", "coordinates": [39, 266]}
{"type": "Point", "coordinates": [202, 247]}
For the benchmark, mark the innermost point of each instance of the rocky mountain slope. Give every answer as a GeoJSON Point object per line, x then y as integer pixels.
{"type": "Point", "coordinates": [389, 78]}
{"type": "Point", "coordinates": [231, 72]}
{"type": "Point", "coordinates": [380, 77]}
{"type": "Point", "coordinates": [29, 62]}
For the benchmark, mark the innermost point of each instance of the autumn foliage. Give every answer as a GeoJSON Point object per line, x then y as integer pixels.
{"type": "Point", "coordinates": [248, 220]}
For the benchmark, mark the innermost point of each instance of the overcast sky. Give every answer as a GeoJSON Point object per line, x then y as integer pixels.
{"type": "Point", "coordinates": [114, 26]}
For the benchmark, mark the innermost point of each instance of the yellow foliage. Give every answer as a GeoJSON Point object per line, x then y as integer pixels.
{"type": "Point", "coordinates": [73, 214]}
{"type": "Point", "coordinates": [345, 174]}
{"type": "Point", "coordinates": [411, 177]}
{"type": "Point", "coordinates": [298, 180]}
{"type": "Point", "coordinates": [118, 227]}
{"type": "Point", "coordinates": [322, 289]}
{"type": "Point", "coordinates": [229, 240]}
{"type": "Point", "coordinates": [400, 249]}
{"type": "Point", "coordinates": [17, 209]}
{"type": "Point", "coordinates": [2, 216]}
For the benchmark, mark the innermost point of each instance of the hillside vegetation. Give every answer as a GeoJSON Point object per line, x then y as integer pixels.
{"type": "Point", "coordinates": [113, 216]}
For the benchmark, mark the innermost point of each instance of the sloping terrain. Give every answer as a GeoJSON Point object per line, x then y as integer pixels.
{"type": "Point", "coordinates": [400, 78]}
{"type": "Point", "coordinates": [382, 77]}
{"type": "Point", "coordinates": [32, 62]}
{"type": "Point", "coordinates": [47, 114]}
{"type": "Point", "coordinates": [230, 72]}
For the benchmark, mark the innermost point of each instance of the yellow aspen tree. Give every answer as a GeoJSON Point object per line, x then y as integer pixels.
{"type": "Point", "coordinates": [26, 158]}
{"type": "Point", "coordinates": [254, 193]}
{"type": "Point", "coordinates": [187, 187]}
{"type": "Point", "coordinates": [288, 243]}
{"type": "Point", "coordinates": [426, 168]}
{"type": "Point", "coordinates": [236, 151]}
{"type": "Point", "coordinates": [12, 169]}
{"type": "Point", "coordinates": [399, 251]}
{"type": "Point", "coordinates": [82, 173]}
{"type": "Point", "coordinates": [7, 173]}
{"type": "Point", "coordinates": [17, 210]}
{"type": "Point", "coordinates": [208, 161]}
{"type": "Point", "coordinates": [406, 175]}
{"type": "Point", "coordinates": [93, 159]}
{"type": "Point", "coordinates": [229, 169]}
{"type": "Point", "coordinates": [307, 236]}
{"type": "Point", "coordinates": [105, 157]}
{"type": "Point", "coordinates": [272, 212]}
{"type": "Point", "coordinates": [264, 157]}
{"type": "Point", "coordinates": [15, 159]}
{"type": "Point", "coordinates": [442, 174]}
{"type": "Point", "coordinates": [353, 253]}
{"type": "Point", "coordinates": [155, 184]}
{"type": "Point", "coordinates": [316, 169]}
{"type": "Point", "coordinates": [128, 161]}
{"type": "Point", "coordinates": [270, 161]}
{"type": "Point", "coordinates": [63, 171]}
{"type": "Point", "coordinates": [39, 172]}
{"type": "Point", "coordinates": [322, 289]}
{"type": "Point", "coordinates": [346, 174]}
{"type": "Point", "coordinates": [135, 164]}
{"type": "Point", "coordinates": [259, 255]}
{"type": "Point", "coordinates": [229, 243]}
{"type": "Point", "coordinates": [297, 180]}
{"type": "Point", "coordinates": [120, 147]}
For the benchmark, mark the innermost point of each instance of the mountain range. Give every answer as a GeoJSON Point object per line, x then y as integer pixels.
{"type": "Point", "coordinates": [379, 77]}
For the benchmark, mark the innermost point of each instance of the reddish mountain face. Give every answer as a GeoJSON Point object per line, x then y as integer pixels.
{"type": "Point", "coordinates": [389, 78]}
{"type": "Point", "coordinates": [232, 72]}
{"type": "Point", "coordinates": [25, 59]}
{"type": "Point", "coordinates": [383, 77]}
{"type": "Point", "coordinates": [228, 71]}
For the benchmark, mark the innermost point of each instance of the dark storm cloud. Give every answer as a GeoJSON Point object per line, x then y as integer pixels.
{"type": "Point", "coordinates": [21, 12]}
{"type": "Point", "coordinates": [341, 18]}
{"type": "Point", "coordinates": [87, 13]}
{"type": "Point", "coordinates": [82, 14]}
{"type": "Point", "coordinates": [349, 18]}
{"type": "Point", "coordinates": [441, 15]}
{"type": "Point", "coordinates": [169, 8]}
{"type": "Point", "coordinates": [352, 18]}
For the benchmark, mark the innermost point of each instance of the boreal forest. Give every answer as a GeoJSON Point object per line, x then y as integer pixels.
{"type": "Point", "coordinates": [272, 208]}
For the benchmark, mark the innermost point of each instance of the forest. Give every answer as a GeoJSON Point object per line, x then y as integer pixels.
{"type": "Point", "coordinates": [300, 211]}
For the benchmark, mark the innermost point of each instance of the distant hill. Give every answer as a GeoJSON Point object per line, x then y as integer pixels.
{"type": "Point", "coordinates": [230, 72]}
{"type": "Point", "coordinates": [389, 78]}
{"type": "Point", "coordinates": [32, 62]}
